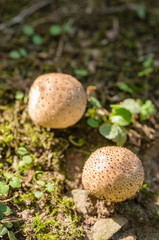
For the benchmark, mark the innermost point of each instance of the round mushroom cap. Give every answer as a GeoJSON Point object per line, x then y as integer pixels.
{"type": "Point", "coordinates": [113, 173]}
{"type": "Point", "coordinates": [56, 100]}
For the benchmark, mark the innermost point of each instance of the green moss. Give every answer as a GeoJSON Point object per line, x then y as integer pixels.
{"type": "Point", "coordinates": [61, 219]}
{"type": "Point", "coordinates": [21, 200]}
{"type": "Point", "coordinates": [56, 229]}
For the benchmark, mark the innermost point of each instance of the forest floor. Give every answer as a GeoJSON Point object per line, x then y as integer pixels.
{"type": "Point", "coordinates": [113, 46]}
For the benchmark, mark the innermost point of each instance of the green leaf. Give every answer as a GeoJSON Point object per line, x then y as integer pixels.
{"type": "Point", "coordinates": [121, 116]}
{"type": "Point", "coordinates": [8, 224]}
{"type": "Point", "coordinates": [27, 159]}
{"type": "Point", "coordinates": [22, 151]}
{"type": "Point", "coordinates": [15, 54]}
{"type": "Point", "coordinates": [28, 30]}
{"type": "Point", "coordinates": [21, 164]}
{"type": "Point", "coordinates": [144, 187]}
{"type": "Point", "coordinates": [19, 95]}
{"type": "Point", "coordinates": [23, 52]}
{"type": "Point", "coordinates": [115, 106]}
{"type": "Point", "coordinates": [55, 30]}
{"type": "Point", "coordinates": [1, 165]}
{"type": "Point", "coordinates": [148, 62]}
{"type": "Point", "coordinates": [7, 175]}
{"type": "Point", "coordinates": [4, 209]}
{"type": "Point", "coordinates": [124, 87]}
{"type": "Point", "coordinates": [9, 138]}
{"type": "Point", "coordinates": [81, 72]}
{"type": "Point", "coordinates": [108, 131]}
{"type": "Point", "coordinates": [15, 182]}
{"type": "Point", "coordinates": [41, 183]}
{"type": "Point", "coordinates": [78, 143]}
{"type": "Point", "coordinates": [50, 187]}
{"type": "Point", "coordinates": [91, 112]}
{"type": "Point", "coordinates": [157, 213]}
{"type": "Point", "coordinates": [95, 102]}
{"type": "Point", "coordinates": [37, 40]}
{"type": "Point", "coordinates": [11, 235]}
{"type": "Point", "coordinates": [141, 11]}
{"type": "Point", "coordinates": [131, 105]}
{"type": "Point", "coordinates": [147, 109]}
{"type": "Point", "coordinates": [121, 137]}
{"type": "Point", "coordinates": [140, 103]}
{"type": "Point", "coordinates": [4, 188]}
{"type": "Point", "coordinates": [38, 194]}
{"type": "Point", "coordinates": [26, 98]}
{"type": "Point", "coordinates": [67, 28]}
{"type": "Point", "coordinates": [1, 226]}
{"type": "Point", "coordinates": [145, 72]}
{"type": "Point", "coordinates": [4, 231]}
{"type": "Point", "coordinates": [93, 122]}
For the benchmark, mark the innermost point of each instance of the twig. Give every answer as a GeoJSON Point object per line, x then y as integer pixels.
{"type": "Point", "coordinates": [60, 47]}
{"type": "Point", "coordinates": [7, 200]}
{"type": "Point", "coordinates": [11, 220]}
{"type": "Point", "coordinates": [25, 14]}
{"type": "Point", "coordinates": [29, 177]}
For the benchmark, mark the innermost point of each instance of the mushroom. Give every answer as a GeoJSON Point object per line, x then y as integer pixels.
{"type": "Point", "coordinates": [56, 100]}
{"type": "Point", "coordinates": [113, 173]}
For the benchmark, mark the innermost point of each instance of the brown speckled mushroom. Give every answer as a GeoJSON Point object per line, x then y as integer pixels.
{"type": "Point", "coordinates": [56, 100]}
{"type": "Point", "coordinates": [113, 173]}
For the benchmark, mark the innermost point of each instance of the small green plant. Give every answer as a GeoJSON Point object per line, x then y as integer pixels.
{"type": "Point", "coordinates": [10, 181]}
{"type": "Point", "coordinates": [37, 40]}
{"type": "Point", "coordinates": [81, 72]}
{"type": "Point", "coordinates": [5, 224]}
{"type": "Point", "coordinates": [38, 194]}
{"type": "Point", "coordinates": [144, 188]}
{"type": "Point", "coordinates": [43, 186]}
{"type": "Point", "coordinates": [124, 87]}
{"type": "Point", "coordinates": [141, 11]}
{"type": "Point", "coordinates": [148, 67]}
{"type": "Point", "coordinates": [56, 30]}
{"type": "Point", "coordinates": [77, 143]}
{"type": "Point", "coordinates": [29, 31]}
{"type": "Point", "coordinates": [17, 54]}
{"type": "Point", "coordinates": [27, 159]}
{"type": "Point", "coordinates": [112, 125]}
{"type": "Point", "coordinates": [19, 95]}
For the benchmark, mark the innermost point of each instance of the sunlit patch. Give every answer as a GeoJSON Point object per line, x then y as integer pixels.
{"type": "Point", "coordinates": [100, 165]}
{"type": "Point", "coordinates": [34, 96]}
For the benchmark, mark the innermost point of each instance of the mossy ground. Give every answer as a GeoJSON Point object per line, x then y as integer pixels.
{"type": "Point", "coordinates": [110, 41]}
{"type": "Point", "coordinates": [54, 215]}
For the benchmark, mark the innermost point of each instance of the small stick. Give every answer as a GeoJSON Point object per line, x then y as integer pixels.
{"type": "Point", "coordinates": [25, 14]}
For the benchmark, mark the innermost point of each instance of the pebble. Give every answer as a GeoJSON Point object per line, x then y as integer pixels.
{"type": "Point", "coordinates": [105, 228]}
{"type": "Point", "coordinates": [80, 198]}
{"type": "Point", "coordinates": [26, 214]}
{"type": "Point", "coordinates": [130, 237]}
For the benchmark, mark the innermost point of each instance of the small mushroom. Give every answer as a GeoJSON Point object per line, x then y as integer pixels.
{"type": "Point", "coordinates": [113, 173]}
{"type": "Point", "coordinates": [56, 100]}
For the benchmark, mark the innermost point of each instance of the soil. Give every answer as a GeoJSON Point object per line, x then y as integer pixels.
{"type": "Point", "coordinates": [109, 40]}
